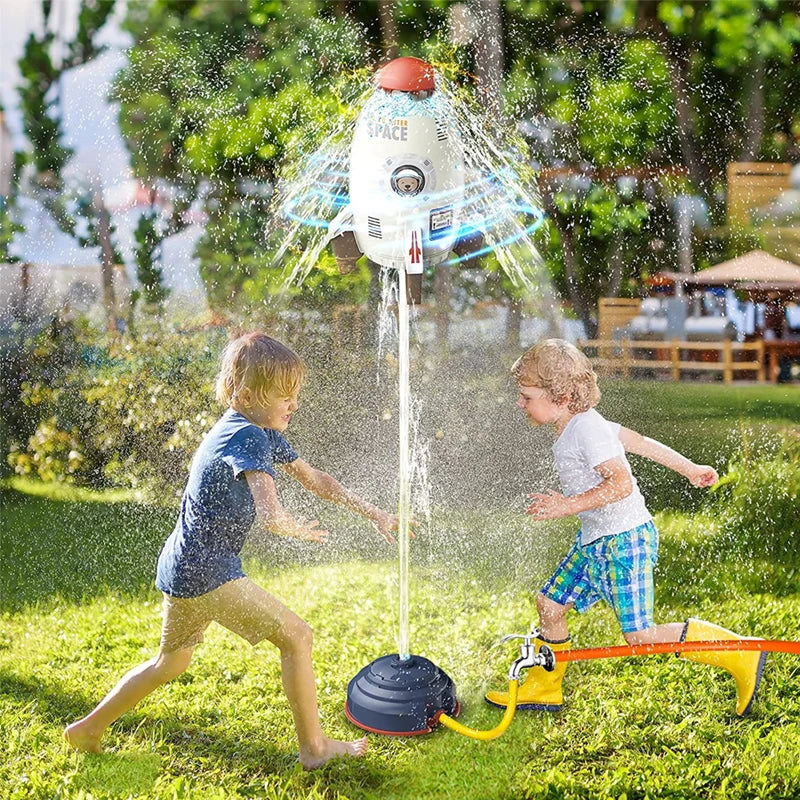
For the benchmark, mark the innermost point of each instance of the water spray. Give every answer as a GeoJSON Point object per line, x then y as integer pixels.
{"type": "Point", "coordinates": [425, 188]}
{"type": "Point", "coordinates": [406, 184]}
{"type": "Point", "coordinates": [416, 199]}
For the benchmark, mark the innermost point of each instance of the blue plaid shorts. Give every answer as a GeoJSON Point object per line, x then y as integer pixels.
{"type": "Point", "coordinates": [617, 569]}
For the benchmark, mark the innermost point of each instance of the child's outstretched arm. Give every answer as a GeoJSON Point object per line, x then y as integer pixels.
{"type": "Point", "coordinates": [274, 517]}
{"type": "Point", "coordinates": [328, 488]}
{"type": "Point", "coordinates": [616, 485]}
{"type": "Point", "coordinates": [696, 474]}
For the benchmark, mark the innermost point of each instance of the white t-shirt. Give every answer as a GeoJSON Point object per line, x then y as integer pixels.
{"type": "Point", "coordinates": [589, 440]}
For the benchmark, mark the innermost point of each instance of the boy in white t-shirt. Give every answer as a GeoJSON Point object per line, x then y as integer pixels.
{"type": "Point", "coordinates": [617, 545]}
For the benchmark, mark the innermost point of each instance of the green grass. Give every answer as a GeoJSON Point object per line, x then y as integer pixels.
{"type": "Point", "coordinates": [77, 609]}
{"type": "Point", "coordinates": [80, 610]}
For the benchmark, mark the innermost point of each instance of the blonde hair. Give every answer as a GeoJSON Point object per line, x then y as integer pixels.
{"type": "Point", "coordinates": [562, 371]}
{"type": "Point", "coordinates": [255, 367]}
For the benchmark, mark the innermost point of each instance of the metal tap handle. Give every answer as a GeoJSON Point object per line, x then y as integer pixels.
{"type": "Point", "coordinates": [509, 637]}
{"type": "Point", "coordinates": [528, 657]}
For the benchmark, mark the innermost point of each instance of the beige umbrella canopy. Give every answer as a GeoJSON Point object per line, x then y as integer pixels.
{"type": "Point", "coordinates": [757, 272]}
{"type": "Point", "coordinates": [755, 267]}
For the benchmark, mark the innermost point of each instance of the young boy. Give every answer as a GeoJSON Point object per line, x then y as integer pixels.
{"type": "Point", "coordinates": [200, 573]}
{"type": "Point", "coordinates": [617, 545]}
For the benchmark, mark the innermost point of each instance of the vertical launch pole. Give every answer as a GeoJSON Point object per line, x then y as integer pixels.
{"type": "Point", "coordinates": [404, 474]}
{"type": "Point", "coordinates": [413, 265]}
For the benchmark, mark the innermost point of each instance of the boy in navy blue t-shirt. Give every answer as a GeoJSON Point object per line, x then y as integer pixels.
{"type": "Point", "coordinates": [199, 571]}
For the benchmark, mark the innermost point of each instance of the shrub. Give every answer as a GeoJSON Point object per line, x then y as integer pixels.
{"type": "Point", "coordinates": [30, 356]}
{"type": "Point", "coordinates": [129, 413]}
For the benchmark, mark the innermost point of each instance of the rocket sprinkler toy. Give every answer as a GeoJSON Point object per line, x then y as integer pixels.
{"type": "Point", "coordinates": [406, 184]}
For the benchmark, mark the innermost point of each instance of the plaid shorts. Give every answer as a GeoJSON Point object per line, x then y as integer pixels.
{"type": "Point", "coordinates": [617, 569]}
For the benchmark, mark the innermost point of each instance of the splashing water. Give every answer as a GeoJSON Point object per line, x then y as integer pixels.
{"type": "Point", "coordinates": [497, 201]}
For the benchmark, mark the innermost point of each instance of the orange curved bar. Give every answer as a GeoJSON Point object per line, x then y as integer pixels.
{"type": "Point", "coordinates": [589, 654]}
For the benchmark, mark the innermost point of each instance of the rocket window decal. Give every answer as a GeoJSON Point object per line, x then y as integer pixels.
{"type": "Point", "coordinates": [407, 180]}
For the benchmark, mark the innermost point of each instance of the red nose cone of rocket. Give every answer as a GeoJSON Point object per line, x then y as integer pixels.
{"type": "Point", "coordinates": [406, 75]}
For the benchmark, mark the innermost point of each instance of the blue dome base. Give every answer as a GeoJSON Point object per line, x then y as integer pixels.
{"type": "Point", "coordinates": [400, 697]}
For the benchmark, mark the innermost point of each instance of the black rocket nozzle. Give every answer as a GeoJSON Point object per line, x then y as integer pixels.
{"type": "Point", "coordinates": [414, 289]}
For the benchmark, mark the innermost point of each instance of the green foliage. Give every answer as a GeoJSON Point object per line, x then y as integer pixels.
{"type": "Point", "coordinates": [219, 97]}
{"type": "Point", "coordinates": [8, 228]}
{"type": "Point", "coordinates": [40, 118]}
{"type": "Point", "coordinates": [92, 16]}
{"type": "Point", "coordinates": [757, 501]}
{"type": "Point", "coordinates": [128, 413]}
{"type": "Point", "coordinates": [45, 359]}
{"type": "Point", "coordinates": [148, 272]}
{"type": "Point", "coordinates": [627, 116]}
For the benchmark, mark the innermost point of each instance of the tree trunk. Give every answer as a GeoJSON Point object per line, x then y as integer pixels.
{"type": "Point", "coordinates": [488, 49]}
{"type": "Point", "coordinates": [106, 260]}
{"type": "Point", "coordinates": [388, 29]}
{"type": "Point", "coordinates": [677, 60]}
{"type": "Point", "coordinates": [754, 112]}
{"type": "Point", "coordinates": [489, 55]}
{"type": "Point", "coordinates": [617, 264]}
{"type": "Point", "coordinates": [571, 270]}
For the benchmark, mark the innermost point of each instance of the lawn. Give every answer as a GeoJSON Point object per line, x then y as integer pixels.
{"type": "Point", "coordinates": [78, 609]}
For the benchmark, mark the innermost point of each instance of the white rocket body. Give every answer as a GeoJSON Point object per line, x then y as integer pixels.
{"type": "Point", "coordinates": [406, 172]}
{"type": "Point", "coordinates": [406, 181]}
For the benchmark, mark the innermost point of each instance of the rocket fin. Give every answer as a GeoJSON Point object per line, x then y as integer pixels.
{"type": "Point", "coordinates": [343, 241]}
{"type": "Point", "coordinates": [470, 241]}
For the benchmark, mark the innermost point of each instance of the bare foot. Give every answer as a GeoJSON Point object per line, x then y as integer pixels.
{"type": "Point", "coordinates": [81, 737]}
{"type": "Point", "coordinates": [314, 757]}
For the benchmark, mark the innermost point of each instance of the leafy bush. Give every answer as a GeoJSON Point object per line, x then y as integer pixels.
{"type": "Point", "coordinates": [30, 356]}
{"type": "Point", "coordinates": [127, 413]}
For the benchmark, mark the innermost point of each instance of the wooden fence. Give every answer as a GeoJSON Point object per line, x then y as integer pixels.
{"type": "Point", "coordinates": [676, 357]}
{"type": "Point", "coordinates": [615, 312]}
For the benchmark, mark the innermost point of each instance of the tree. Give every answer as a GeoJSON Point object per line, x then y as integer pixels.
{"type": "Point", "coordinates": [214, 99]}
{"type": "Point", "coordinates": [41, 113]}
{"type": "Point", "coordinates": [720, 54]}
{"type": "Point", "coordinates": [627, 105]}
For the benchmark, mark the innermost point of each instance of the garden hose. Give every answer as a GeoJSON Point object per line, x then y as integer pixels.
{"type": "Point", "coordinates": [484, 736]}
{"type": "Point", "coordinates": [589, 654]}
{"type": "Point", "coordinates": [622, 651]}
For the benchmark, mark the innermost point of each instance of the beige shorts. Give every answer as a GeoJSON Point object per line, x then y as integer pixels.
{"type": "Point", "coordinates": [240, 606]}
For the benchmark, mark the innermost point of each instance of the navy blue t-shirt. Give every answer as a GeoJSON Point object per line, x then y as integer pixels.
{"type": "Point", "coordinates": [217, 508]}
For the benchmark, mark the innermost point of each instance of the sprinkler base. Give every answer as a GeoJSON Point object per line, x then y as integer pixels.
{"type": "Point", "coordinates": [400, 697]}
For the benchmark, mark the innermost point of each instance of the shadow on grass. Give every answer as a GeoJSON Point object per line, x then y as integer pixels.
{"type": "Point", "coordinates": [75, 550]}
{"type": "Point", "coordinates": [57, 707]}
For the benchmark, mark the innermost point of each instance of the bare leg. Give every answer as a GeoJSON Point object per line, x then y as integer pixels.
{"type": "Point", "coordinates": [552, 619]}
{"type": "Point", "coordinates": [294, 640]}
{"type": "Point", "coordinates": [85, 734]}
{"type": "Point", "coordinates": [669, 632]}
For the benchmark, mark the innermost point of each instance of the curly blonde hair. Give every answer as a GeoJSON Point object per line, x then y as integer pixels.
{"type": "Point", "coordinates": [562, 371]}
{"type": "Point", "coordinates": [255, 367]}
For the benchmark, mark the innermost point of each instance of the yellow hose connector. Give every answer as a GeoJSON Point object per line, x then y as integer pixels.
{"type": "Point", "coordinates": [485, 736]}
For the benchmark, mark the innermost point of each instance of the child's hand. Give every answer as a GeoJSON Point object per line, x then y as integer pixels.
{"type": "Point", "coordinates": [301, 528]}
{"type": "Point", "coordinates": [385, 523]}
{"type": "Point", "coordinates": [702, 475]}
{"type": "Point", "coordinates": [548, 506]}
